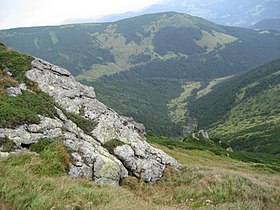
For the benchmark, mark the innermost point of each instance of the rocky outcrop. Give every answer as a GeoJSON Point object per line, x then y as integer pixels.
{"type": "Point", "coordinates": [200, 132]}
{"type": "Point", "coordinates": [91, 159]}
{"type": "Point", "coordinates": [14, 91]}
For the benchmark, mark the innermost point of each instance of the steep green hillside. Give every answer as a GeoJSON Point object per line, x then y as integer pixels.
{"type": "Point", "coordinates": [145, 100]}
{"type": "Point", "coordinates": [244, 110]}
{"type": "Point", "coordinates": [25, 107]}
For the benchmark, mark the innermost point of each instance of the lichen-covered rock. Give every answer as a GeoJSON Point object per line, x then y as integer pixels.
{"type": "Point", "coordinates": [91, 158]}
{"type": "Point", "coordinates": [4, 155]}
{"type": "Point", "coordinates": [20, 135]}
{"type": "Point", "coordinates": [13, 91]}
{"type": "Point", "coordinates": [82, 171]}
{"type": "Point", "coordinates": [107, 171]}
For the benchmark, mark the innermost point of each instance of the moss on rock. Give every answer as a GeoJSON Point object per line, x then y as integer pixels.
{"type": "Point", "coordinates": [112, 144]}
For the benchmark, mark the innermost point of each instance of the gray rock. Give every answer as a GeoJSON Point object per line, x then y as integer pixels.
{"type": "Point", "coordinates": [204, 134]}
{"type": "Point", "coordinates": [82, 171]}
{"type": "Point", "coordinates": [4, 155]}
{"type": "Point", "coordinates": [13, 91]}
{"type": "Point", "coordinates": [91, 159]}
{"type": "Point", "coordinates": [21, 136]}
{"type": "Point", "coordinates": [138, 126]}
{"type": "Point", "coordinates": [149, 166]}
{"type": "Point", "coordinates": [229, 149]}
{"type": "Point", "coordinates": [45, 124]}
{"type": "Point", "coordinates": [53, 133]}
{"type": "Point", "coordinates": [107, 172]}
{"type": "Point", "coordinates": [77, 159]}
{"type": "Point", "coordinates": [8, 72]}
{"type": "Point", "coordinates": [22, 86]}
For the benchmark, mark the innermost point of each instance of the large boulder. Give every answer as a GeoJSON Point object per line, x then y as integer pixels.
{"type": "Point", "coordinates": [92, 159]}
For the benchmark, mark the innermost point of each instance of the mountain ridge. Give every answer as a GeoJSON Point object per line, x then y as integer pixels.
{"type": "Point", "coordinates": [273, 23]}
{"type": "Point", "coordinates": [227, 12]}
{"type": "Point", "coordinates": [127, 44]}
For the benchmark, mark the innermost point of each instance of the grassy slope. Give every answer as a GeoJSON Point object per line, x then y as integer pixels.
{"type": "Point", "coordinates": [244, 110]}
{"type": "Point", "coordinates": [204, 180]}
{"type": "Point", "coordinates": [15, 62]}
{"type": "Point", "coordinates": [24, 108]}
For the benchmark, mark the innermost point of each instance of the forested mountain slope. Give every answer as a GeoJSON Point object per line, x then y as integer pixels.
{"type": "Point", "coordinates": [52, 126]}
{"type": "Point", "coordinates": [94, 50]}
{"type": "Point", "coordinates": [244, 110]}
{"type": "Point", "coordinates": [142, 65]}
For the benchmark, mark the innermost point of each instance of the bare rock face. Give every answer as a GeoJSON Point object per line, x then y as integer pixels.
{"type": "Point", "coordinates": [93, 159]}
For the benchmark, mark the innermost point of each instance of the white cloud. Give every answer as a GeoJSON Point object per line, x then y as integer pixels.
{"type": "Point", "coordinates": [18, 13]}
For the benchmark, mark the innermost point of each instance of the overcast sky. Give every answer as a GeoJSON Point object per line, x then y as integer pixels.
{"type": "Point", "coordinates": [20, 13]}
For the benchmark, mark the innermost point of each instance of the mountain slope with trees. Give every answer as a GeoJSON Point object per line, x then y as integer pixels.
{"type": "Point", "coordinates": [41, 143]}
{"type": "Point", "coordinates": [131, 61]}
{"type": "Point", "coordinates": [244, 110]}
{"type": "Point", "coordinates": [93, 50]}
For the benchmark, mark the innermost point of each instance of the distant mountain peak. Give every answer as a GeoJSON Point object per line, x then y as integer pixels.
{"type": "Point", "coordinates": [272, 23]}
{"type": "Point", "coordinates": [225, 12]}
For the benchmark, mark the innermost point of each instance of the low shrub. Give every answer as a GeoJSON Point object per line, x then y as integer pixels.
{"type": "Point", "coordinates": [15, 62]}
{"type": "Point", "coordinates": [6, 144]}
{"type": "Point", "coordinates": [85, 124]}
{"type": "Point", "coordinates": [25, 108]}
{"type": "Point", "coordinates": [41, 145]}
{"type": "Point", "coordinates": [112, 144]}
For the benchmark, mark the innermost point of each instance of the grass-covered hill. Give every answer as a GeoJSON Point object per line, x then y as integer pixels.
{"type": "Point", "coordinates": [244, 110]}
{"type": "Point", "coordinates": [148, 66]}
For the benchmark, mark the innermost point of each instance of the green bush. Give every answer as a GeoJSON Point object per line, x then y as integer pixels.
{"type": "Point", "coordinates": [85, 124]}
{"type": "Point", "coordinates": [41, 145]}
{"type": "Point", "coordinates": [6, 144]}
{"type": "Point", "coordinates": [112, 144]}
{"type": "Point", "coordinates": [15, 62]}
{"type": "Point", "coordinates": [24, 108]}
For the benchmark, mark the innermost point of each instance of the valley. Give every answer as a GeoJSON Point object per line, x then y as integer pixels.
{"type": "Point", "coordinates": [207, 94]}
{"type": "Point", "coordinates": [164, 70]}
